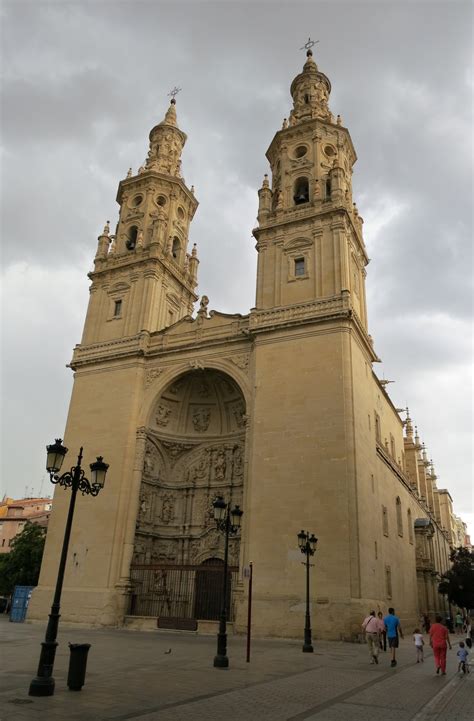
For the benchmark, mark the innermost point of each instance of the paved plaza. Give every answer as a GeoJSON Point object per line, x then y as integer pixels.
{"type": "Point", "coordinates": [132, 675]}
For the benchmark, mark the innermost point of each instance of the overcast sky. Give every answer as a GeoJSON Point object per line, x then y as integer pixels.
{"type": "Point", "coordinates": [83, 84]}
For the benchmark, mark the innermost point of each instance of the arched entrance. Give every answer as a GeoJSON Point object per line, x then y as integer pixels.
{"type": "Point", "coordinates": [194, 452]}
{"type": "Point", "coordinates": [208, 589]}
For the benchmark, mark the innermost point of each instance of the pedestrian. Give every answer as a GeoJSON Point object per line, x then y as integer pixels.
{"type": "Point", "coordinates": [439, 640]}
{"type": "Point", "coordinates": [371, 627]}
{"type": "Point", "coordinates": [463, 656]}
{"type": "Point", "coordinates": [419, 643]}
{"type": "Point", "coordinates": [427, 622]}
{"type": "Point", "coordinates": [393, 629]}
{"type": "Point", "coordinates": [459, 622]}
{"type": "Point", "coordinates": [382, 632]}
{"type": "Point", "coordinates": [468, 632]}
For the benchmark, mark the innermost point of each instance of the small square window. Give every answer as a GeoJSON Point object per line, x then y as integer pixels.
{"type": "Point", "coordinates": [300, 266]}
{"type": "Point", "coordinates": [118, 309]}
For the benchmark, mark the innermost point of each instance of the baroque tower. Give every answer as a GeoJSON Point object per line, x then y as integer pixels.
{"type": "Point", "coordinates": [309, 239]}
{"type": "Point", "coordinates": [144, 278]}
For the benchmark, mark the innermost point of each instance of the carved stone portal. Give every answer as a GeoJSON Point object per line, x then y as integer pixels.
{"type": "Point", "coordinates": [184, 471]}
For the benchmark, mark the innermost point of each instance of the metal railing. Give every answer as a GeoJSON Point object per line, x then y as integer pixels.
{"type": "Point", "coordinates": [192, 592]}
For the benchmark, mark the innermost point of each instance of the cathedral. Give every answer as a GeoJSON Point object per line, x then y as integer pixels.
{"type": "Point", "coordinates": [278, 411]}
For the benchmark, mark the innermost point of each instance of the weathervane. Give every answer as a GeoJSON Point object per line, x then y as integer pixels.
{"type": "Point", "coordinates": [310, 44]}
{"type": "Point", "coordinates": [173, 93]}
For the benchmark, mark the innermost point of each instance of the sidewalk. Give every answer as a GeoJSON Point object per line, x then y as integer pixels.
{"type": "Point", "coordinates": [130, 676]}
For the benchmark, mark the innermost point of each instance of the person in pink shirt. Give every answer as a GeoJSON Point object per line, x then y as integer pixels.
{"type": "Point", "coordinates": [370, 626]}
{"type": "Point", "coordinates": [439, 641]}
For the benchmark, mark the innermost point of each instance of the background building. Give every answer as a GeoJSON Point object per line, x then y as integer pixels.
{"type": "Point", "coordinates": [14, 514]}
{"type": "Point", "coordinates": [278, 410]}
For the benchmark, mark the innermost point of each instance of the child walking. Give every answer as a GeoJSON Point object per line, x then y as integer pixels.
{"type": "Point", "coordinates": [419, 643]}
{"type": "Point", "coordinates": [463, 655]}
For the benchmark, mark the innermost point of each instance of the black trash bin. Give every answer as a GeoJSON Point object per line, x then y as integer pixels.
{"type": "Point", "coordinates": [77, 665]}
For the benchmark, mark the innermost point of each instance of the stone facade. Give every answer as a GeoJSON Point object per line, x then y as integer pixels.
{"type": "Point", "coordinates": [279, 410]}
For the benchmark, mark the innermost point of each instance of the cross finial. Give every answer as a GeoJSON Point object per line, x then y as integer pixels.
{"type": "Point", "coordinates": [173, 93]}
{"type": "Point", "coordinates": [310, 44]}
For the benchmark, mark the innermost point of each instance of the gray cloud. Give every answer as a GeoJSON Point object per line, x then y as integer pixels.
{"type": "Point", "coordinates": [84, 82]}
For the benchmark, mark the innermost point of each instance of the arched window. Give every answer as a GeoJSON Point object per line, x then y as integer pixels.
{"type": "Point", "coordinates": [399, 516]}
{"type": "Point", "coordinates": [132, 238]}
{"type": "Point", "coordinates": [176, 248]}
{"type": "Point", "coordinates": [301, 194]}
{"type": "Point", "coordinates": [328, 188]}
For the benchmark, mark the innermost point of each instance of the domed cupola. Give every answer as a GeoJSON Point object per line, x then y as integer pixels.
{"type": "Point", "coordinates": [166, 145]}
{"type": "Point", "coordinates": [310, 92]}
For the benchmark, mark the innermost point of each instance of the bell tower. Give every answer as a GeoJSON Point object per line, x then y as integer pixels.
{"type": "Point", "coordinates": [144, 278]}
{"type": "Point", "coordinates": [309, 234]}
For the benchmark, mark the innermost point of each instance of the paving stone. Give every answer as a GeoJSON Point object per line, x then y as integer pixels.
{"type": "Point", "coordinates": [130, 677]}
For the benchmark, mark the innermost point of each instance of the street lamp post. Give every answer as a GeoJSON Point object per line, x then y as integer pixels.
{"type": "Point", "coordinates": [228, 522]}
{"type": "Point", "coordinates": [43, 683]}
{"type": "Point", "coordinates": [307, 545]}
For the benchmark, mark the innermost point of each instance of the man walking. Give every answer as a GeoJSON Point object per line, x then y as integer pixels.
{"type": "Point", "coordinates": [370, 626]}
{"type": "Point", "coordinates": [392, 624]}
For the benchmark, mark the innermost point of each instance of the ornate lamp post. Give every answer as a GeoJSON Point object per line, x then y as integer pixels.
{"type": "Point", "coordinates": [43, 684]}
{"type": "Point", "coordinates": [307, 545]}
{"type": "Point", "coordinates": [228, 522]}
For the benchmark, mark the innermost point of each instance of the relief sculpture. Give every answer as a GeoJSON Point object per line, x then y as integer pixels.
{"type": "Point", "coordinates": [162, 414]}
{"type": "Point", "coordinates": [193, 452]}
{"type": "Point", "coordinates": [220, 465]}
{"type": "Point", "coordinates": [238, 412]}
{"type": "Point", "coordinates": [144, 507]}
{"type": "Point", "coordinates": [238, 462]}
{"type": "Point", "coordinates": [201, 418]}
{"type": "Point", "coordinates": [167, 509]}
{"type": "Point", "coordinates": [152, 461]}
{"type": "Point", "coordinates": [200, 470]}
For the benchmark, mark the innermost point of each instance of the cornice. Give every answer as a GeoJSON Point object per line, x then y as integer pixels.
{"type": "Point", "coordinates": [302, 128]}
{"type": "Point", "coordinates": [116, 349]}
{"type": "Point", "coordinates": [137, 180]}
{"type": "Point", "coordinates": [145, 262]}
{"type": "Point", "coordinates": [163, 343]}
{"type": "Point", "coordinates": [394, 467]}
{"type": "Point", "coordinates": [337, 306]}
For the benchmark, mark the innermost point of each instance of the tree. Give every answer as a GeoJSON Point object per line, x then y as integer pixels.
{"type": "Point", "coordinates": [21, 567]}
{"type": "Point", "coordinates": [458, 582]}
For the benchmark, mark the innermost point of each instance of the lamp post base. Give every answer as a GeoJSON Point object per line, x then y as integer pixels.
{"type": "Point", "coordinates": [43, 683]}
{"type": "Point", "coordinates": [221, 662]}
{"type": "Point", "coordinates": [42, 686]}
{"type": "Point", "coordinates": [307, 648]}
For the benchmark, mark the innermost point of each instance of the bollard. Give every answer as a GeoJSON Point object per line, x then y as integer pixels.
{"type": "Point", "coordinates": [77, 665]}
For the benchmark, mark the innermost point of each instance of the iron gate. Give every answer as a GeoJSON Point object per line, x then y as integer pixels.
{"type": "Point", "coordinates": [193, 592]}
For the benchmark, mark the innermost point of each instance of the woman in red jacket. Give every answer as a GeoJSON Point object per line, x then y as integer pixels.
{"type": "Point", "coordinates": [439, 641]}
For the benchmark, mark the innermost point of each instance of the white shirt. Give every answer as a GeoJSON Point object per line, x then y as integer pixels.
{"type": "Point", "coordinates": [418, 639]}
